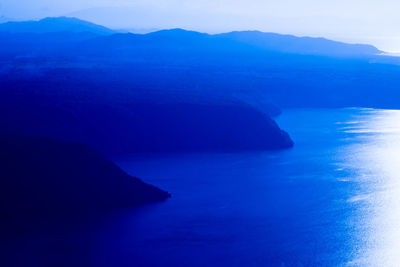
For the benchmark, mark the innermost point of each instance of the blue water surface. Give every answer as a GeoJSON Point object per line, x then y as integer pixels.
{"type": "Point", "coordinates": [332, 200]}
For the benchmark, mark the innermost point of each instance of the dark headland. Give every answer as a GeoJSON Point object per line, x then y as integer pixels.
{"type": "Point", "coordinates": [45, 177]}
{"type": "Point", "coordinates": [118, 118]}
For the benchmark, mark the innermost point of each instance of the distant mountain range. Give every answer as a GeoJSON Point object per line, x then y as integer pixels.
{"type": "Point", "coordinates": [253, 67]}
{"type": "Point", "coordinates": [300, 45]}
{"type": "Point", "coordinates": [255, 39]}
{"type": "Point", "coordinates": [49, 25]}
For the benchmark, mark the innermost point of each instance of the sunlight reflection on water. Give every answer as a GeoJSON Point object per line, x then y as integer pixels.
{"type": "Point", "coordinates": [376, 163]}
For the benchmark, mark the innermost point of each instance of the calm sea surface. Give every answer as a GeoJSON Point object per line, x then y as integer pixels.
{"type": "Point", "coordinates": [332, 200]}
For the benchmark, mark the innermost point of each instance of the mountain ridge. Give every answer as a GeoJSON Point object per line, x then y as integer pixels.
{"type": "Point", "coordinates": [269, 41]}
{"type": "Point", "coordinates": [54, 24]}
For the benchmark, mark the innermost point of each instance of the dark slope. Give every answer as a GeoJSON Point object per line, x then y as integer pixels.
{"type": "Point", "coordinates": [43, 177]}
{"type": "Point", "coordinates": [117, 121]}
{"type": "Point", "coordinates": [59, 24]}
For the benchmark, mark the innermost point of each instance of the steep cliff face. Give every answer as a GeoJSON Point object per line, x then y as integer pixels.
{"type": "Point", "coordinates": [44, 177]}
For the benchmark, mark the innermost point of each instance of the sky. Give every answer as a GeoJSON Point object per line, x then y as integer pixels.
{"type": "Point", "coordinates": [355, 21]}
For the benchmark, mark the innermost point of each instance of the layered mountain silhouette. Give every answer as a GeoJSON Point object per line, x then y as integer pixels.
{"type": "Point", "coordinates": [200, 80]}
{"type": "Point", "coordinates": [167, 91]}
{"type": "Point", "coordinates": [182, 38]}
{"type": "Point", "coordinates": [80, 85]}
{"type": "Point", "coordinates": [255, 67]}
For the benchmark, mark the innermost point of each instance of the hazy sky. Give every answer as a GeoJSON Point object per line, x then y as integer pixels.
{"type": "Point", "coordinates": [368, 21]}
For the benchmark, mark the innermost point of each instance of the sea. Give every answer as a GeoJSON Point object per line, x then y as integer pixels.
{"type": "Point", "coordinates": [331, 200]}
